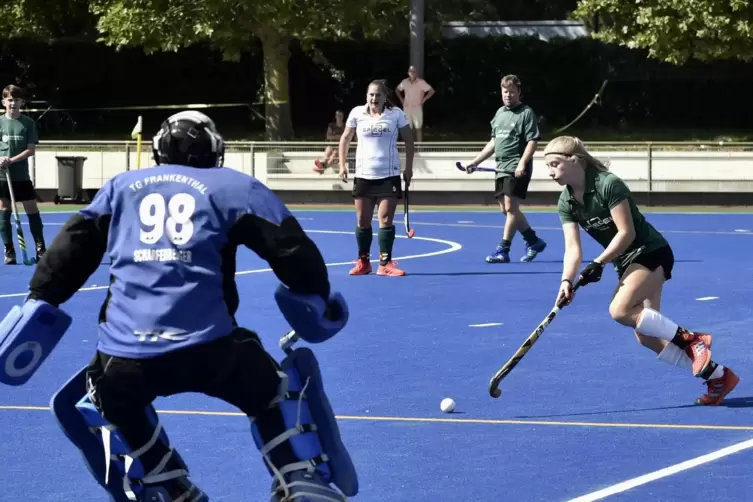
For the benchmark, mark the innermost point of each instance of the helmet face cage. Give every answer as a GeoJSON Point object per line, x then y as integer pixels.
{"type": "Point", "coordinates": [189, 138]}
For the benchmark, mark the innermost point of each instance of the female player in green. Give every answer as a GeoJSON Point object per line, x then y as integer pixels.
{"type": "Point", "coordinates": [601, 203]}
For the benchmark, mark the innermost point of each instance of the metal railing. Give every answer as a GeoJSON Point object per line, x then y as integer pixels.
{"type": "Point", "coordinates": [453, 146]}
{"type": "Point", "coordinates": [280, 156]}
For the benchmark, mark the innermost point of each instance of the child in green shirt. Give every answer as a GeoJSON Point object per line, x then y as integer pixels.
{"type": "Point", "coordinates": [18, 140]}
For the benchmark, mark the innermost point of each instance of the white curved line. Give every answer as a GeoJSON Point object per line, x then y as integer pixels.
{"type": "Point", "coordinates": [559, 229]}
{"type": "Point", "coordinates": [453, 246]}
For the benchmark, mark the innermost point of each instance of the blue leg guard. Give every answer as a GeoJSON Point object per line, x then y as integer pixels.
{"type": "Point", "coordinates": [112, 462]}
{"type": "Point", "coordinates": [63, 406]}
{"type": "Point", "coordinates": [311, 430]}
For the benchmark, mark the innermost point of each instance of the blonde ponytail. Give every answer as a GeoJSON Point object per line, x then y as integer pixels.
{"type": "Point", "coordinates": [571, 146]}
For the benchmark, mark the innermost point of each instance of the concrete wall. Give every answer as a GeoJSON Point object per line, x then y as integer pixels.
{"type": "Point", "coordinates": [687, 174]}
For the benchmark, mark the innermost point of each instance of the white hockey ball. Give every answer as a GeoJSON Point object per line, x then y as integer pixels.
{"type": "Point", "coordinates": [447, 405]}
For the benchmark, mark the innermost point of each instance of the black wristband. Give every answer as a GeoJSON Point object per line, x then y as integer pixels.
{"type": "Point", "coordinates": [567, 281]}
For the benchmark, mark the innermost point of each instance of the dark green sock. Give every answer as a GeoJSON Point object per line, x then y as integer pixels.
{"type": "Point", "coordinates": [5, 228]}
{"type": "Point", "coordinates": [364, 237]}
{"type": "Point", "coordinates": [504, 244]}
{"type": "Point", "coordinates": [530, 236]}
{"type": "Point", "coordinates": [36, 227]}
{"type": "Point", "coordinates": [386, 240]}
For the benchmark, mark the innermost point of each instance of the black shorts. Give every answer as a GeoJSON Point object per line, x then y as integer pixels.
{"type": "Point", "coordinates": [382, 188]}
{"type": "Point", "coordinates": [512, 186]}
{"type": "Point", "coordinates": [662, 256]}
{"type": "Point", "coordinates": [235, 369]}
{"type": "Point", "coordinates": [22, 191]}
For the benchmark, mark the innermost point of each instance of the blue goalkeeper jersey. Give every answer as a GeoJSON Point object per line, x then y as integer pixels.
{"type": "Point", "coordinates": [171, 233]}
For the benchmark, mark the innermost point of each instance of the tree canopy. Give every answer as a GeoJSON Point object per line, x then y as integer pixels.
{"type": "Point", "coordinates": [670, 30]}
{"type": "Point", "coordinates": [232, 26]}
{"type": "Point", "coordinates": [675, 30]}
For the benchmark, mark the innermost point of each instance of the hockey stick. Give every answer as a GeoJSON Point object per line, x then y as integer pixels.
{"type": "Point", "coordinates": [523, 350]}
{"type": "Point", "coordinates": [473, 169]}
{"type": "Point", "coordinates": [406, 214]}
{"type": "Point", "coordinates": [19, 230]}
{"type": "Point", "coordinates": [136, 134]}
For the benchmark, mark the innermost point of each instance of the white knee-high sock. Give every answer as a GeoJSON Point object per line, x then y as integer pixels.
{"type": "Point", "coordinates": [674, 355]}
{"type": "Point", "coordinates": [652, 323]}
{"type": "Point", "coordinates": [718, 372]}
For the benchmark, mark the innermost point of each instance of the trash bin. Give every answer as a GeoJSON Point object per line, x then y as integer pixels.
{"type": "Point", "coordinates": [70, 179]}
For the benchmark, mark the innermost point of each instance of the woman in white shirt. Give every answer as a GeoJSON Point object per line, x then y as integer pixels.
{"type": "Point", "coordinates": [377, 177]}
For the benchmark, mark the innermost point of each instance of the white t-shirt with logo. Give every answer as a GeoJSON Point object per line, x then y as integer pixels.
{"type": "Point", "coordinates": [377, 156]}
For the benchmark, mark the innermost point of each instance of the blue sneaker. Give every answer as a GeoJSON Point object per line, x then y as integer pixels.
{"type": "Point", "coordinates": [500, 255]}
{"type": "Point", "coordinates": [534, 250]}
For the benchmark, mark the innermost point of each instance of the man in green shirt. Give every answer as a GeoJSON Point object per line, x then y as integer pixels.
{"type": "Point", "coordinates": [18, 140]}
{"type": "Point", "coordinates": [515, 136]}
{"type": "Point", "coordinates": [600, 203]}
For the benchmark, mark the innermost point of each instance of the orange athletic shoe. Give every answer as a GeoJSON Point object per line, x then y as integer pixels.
{"type": "Point", "coordinates": [363, 267]}
{"type": "Point", "coordinates": [390, 269]}
{"type": "Point", "coordinates": [718, 388]}
{"type": "Point", "coordinates": [698, 350]}
{"type": "Point", "coordinates": [705, 338]}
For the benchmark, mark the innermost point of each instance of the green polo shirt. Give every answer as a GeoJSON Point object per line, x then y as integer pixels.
{"type": "Point", "coordinates": [512, 129]}
{"type": "Point", "coordinates": [15, 136]}
{"type": "Point", "coordinates": [603, 192]}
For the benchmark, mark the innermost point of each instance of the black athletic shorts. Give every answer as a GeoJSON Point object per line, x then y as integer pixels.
{"type": "Point", "coordinates": [235, 369]}
{"type": "Point", "coordinates": [382, 188]}
{"type": "Point", "coordinates": [662, 256]}
{"type": "Point", "coordinates": [512, 186]}
{"type": "Point", "coordinates": [22, 191]}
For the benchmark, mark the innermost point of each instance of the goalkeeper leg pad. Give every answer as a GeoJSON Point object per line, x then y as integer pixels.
{"type": "Point", "coordinates": [302, 419]}
{"type": "Point", "coordinates": [109, 458]}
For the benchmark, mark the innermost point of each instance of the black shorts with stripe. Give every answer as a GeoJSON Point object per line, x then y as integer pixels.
{"type": "Point", "coordinates": [22, 191]}
{"type": "Point", "coordinates": [382, 188]}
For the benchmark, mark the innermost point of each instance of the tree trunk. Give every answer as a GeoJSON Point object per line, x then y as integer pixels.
{"type": "Point", "coordinates": [278, 121]}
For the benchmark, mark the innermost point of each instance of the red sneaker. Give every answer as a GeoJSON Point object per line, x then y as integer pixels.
{"type": "Point", "coordinates": [698, 350]}
{"type": "Point", "coordinates": [390, 269]}
{"type": "Point", "coordinates": [718, 388]}
{"type": "Point", "coordinates": [363, 267]}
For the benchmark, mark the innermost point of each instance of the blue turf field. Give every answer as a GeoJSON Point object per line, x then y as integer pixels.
{"type": "Point", "coordinates": [587, 409]}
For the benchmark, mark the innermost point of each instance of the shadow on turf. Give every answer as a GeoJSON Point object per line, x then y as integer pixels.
{"type": "Point", "coordinates": [738, 402]}
{"type": "Point", "coordinates": [582, 261]}
{"type": "Point", "coordinates": [534, 272]}
{"type": "Point", "coordinates": [733, 402]}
